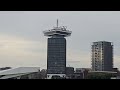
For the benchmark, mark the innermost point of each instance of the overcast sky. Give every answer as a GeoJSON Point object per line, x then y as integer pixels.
{"type": "Point", "coordinates": [22, 42]}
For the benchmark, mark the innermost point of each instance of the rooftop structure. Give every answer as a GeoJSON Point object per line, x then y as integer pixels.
{"type": "Point", "coordinates": [18, 72]}
{"type": "Point", "coordinates": [59, 31]}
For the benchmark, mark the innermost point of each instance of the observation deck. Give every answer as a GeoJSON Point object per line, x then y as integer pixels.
{"type": "Point", "coordinates": [57, 31]}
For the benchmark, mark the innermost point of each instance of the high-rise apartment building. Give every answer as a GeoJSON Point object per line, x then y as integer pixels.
{"type": "Point", "coordinates": [102, 56]}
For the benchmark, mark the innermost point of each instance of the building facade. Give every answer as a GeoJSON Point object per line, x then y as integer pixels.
{"type": "Point", "coordinates": [56, 59]}
{"type": "Point", "coordinates": [102, 56]}
{"type": "Point", "coordinates": [56, 51]}
{"type": "Point", "coordinates": [69, 70]}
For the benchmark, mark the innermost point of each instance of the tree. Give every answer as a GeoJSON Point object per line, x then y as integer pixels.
{"type": "Point", "coordinates": [99, 76]}
{"type": "Point", "coordinates": [43, 73]}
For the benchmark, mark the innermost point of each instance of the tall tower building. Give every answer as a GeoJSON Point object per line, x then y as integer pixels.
{"type": "Point", "coordinates": [56, 51]}
{"type": "Point", "coordinates": [102, 56]}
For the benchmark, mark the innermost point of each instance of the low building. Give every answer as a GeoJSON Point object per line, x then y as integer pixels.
{"type": "Point", "coordinates": [69, 72]}
{"type": "Point", "coordinates": [21, 73]}
{"type": "Point", "coordinates": [5, 68]}
{"type": "Point", "coordinates": [82, 72]}
{"type": "Point", "coordinates": [78, 75]}
{"type": "Point", "coordinates": [82, 69]}
{"type": "Point", "coordinates": [115, 70]}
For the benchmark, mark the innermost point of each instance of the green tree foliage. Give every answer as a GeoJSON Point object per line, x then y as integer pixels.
{"type": "Point", "coordinates": [99, 76]}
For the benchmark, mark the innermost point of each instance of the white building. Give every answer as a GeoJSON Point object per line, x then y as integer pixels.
{"type": "Point", "coordinates": [18, 73]}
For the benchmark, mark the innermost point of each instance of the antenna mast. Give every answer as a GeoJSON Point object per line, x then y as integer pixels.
{"type": "Point", "coordinates": [57, 22]}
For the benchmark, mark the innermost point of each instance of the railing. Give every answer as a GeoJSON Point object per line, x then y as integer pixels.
{"type": "Point", "coordinates": [57, 30]}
